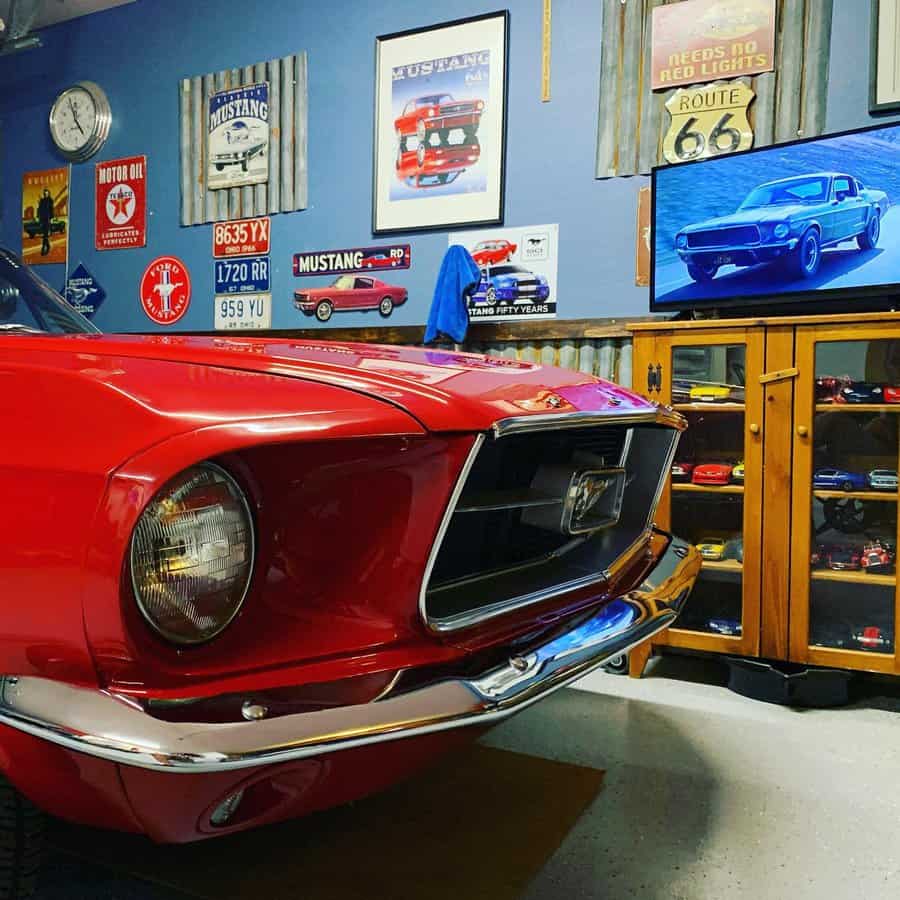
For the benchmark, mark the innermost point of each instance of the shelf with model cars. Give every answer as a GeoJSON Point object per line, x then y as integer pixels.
{"type": "Point", "coordinates": [725, 407]}
{"type": "Point", "coordinates": [831, 390]}
{"type": "Point", "coordinates": [707, 488]}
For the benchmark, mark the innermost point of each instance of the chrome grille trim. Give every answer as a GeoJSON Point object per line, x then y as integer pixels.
{"type": "Point", "coordinates": [661, 415]}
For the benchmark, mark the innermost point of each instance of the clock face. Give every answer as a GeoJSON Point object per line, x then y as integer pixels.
{"type": "Point", "coordinates": [79, 120]}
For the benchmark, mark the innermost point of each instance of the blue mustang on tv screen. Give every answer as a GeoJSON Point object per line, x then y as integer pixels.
{"type": "Point", "coordinates": [791, 219]}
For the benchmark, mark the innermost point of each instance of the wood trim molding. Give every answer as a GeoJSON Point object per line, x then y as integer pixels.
{"type": "Point", "coordinates": [488, 333]}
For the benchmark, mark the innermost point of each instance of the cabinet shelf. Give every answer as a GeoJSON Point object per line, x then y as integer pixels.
{"type": "Point", "coordinates": [857, 576]}
{"type": "Point", "coordinates": [858, 407]}
{"type": "Point", "coordinates": [709, 407]}
{"type": "Point", "coordinates": [687, 488]}
{"type": "Point", "coordinates": [889, 496]}
{"type": "Point", "coordinates": [723, 565]}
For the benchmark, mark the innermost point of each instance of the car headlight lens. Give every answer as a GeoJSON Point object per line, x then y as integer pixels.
{"type": "Point", "coordinates": [432, 111]}
{"type": "Point", "coordinates": [192, 555]}
{"type": "Point", "coordinates": [782, 230]}
{"type": "Point", "coordinates": [479, 105]}
{"type": "Point", "coordinates": [681, 241]}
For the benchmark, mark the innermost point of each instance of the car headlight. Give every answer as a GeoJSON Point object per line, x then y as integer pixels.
{"type": "Point", "coordinates": [192, 555]}
{"type": "Point", "coordinates": [432, 111]}
{"type": "Point", "coordinates": [681, 241]}
{"type": "Point", "coordinates": [781, 230]}
{"type": "Point", "coordinates": [479, 105]}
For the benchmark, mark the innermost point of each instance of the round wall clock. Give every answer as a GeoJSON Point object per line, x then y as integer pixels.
{"type": "Point", "coordinates": [80, 120]}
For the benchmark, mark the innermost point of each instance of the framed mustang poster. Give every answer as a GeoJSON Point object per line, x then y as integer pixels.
{"type": "Point", "coordinates": [238, 137]}
{"type": "Point", "coordinates": [440, 125]}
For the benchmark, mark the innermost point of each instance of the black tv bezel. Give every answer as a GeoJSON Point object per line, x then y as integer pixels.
{"type": "Point", "coordinates": [887, 294]}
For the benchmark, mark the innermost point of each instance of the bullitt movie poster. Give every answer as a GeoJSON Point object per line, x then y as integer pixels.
{"type": "Point", "coordinates": [45, 216]}
{"type": "Point", "coordinates": [440, 100]}
{"type": "Point", "coordinates": [238, 137]}
{"type": "Point", "coordinates": [518, 272]}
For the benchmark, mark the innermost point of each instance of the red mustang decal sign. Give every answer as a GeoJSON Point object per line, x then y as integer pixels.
{"type": "Point", "coordinates": [358, 259]}
{"type": "Point", "coordinates": [165, 290]}
{"type": "Point", "coordinates": [120, 200]}
{"type": "Point", "coordinates": [243, 237]}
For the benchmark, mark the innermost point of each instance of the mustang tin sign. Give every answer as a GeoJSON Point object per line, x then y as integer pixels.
{"type": "Point", "coordinates": [248, 275]}
{"type": "Point", "coordinates": [358, 259]}
{"type": "Point", "coordinates": [120, 203]}
{"type": "Point", "coordinates": [243, 311]}
{"type": "Point", "coordinates": [83, 291]}
{"type": "Point", "coordinates": [165, 290]}
{"type": "Point", "coordinates": [238, 137]}
{"type": "Point", "coordinates": [708, 121]}
{"type": "Point", "coordinates": [243, 237]}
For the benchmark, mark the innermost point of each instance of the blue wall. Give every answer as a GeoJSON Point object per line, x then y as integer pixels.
{"type": "Point", "coordinates": [139, 52]}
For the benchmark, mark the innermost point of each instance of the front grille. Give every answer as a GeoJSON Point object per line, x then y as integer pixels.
{"type": "Point", "coordinates": [724, 237]}
{"type": "Point", "coordinates": [507, 541]}
{"type": "Point", "coordinates": [454, 108]}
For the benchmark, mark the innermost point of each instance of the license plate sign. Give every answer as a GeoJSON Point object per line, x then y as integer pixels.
{"type": "Point", "coordinates": [249, 275]}
{"type": "Point", "coordinates": [243, 237]}
{"type": "Point", "coordinates": [243, 311]}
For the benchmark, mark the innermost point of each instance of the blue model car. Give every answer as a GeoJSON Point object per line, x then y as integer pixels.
{"type": "Point", "coordinates": [792, 219]}
{"type": "Point", "coordinates": [840, 479]}
{"type": "Point", "coordinates": [510, 284]}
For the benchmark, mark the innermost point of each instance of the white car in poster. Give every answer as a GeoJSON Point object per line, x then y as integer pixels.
{"type": "Point", "coordinates": [242, 141]}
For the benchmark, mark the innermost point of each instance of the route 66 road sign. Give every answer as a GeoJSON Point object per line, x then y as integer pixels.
{"type": "Point", "coordinates": [708, 121]}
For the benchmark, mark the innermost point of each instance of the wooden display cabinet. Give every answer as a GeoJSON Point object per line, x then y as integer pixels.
{"type": "Point", "coordinates": [794, 571]}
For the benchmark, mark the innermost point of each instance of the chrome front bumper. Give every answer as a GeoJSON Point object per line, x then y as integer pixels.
{"type": "Point", "coordinates": [120, 730]}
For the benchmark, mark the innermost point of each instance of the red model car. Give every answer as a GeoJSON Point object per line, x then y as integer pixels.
{"type": "Point", "coordinates": [427, 167]}
{"type": "Point", "coordinates": [487, 253]}
{"type": "Point", "coordinates": [828, 388]}
{"type": "Point", "coordinates": [843, 557]}
{"type": "Point", "coordinates": [712, 473]}
{"type": "Point", "coordinates": [891, 394]}
{"type": "Point", "coordinates": [249, 578]}
{"type": "Point", "coordinates": [349, 293]}
{"type": "Point", "coordinates": [438, 114]}
{"type": "Point", "coordinates": [877, 556]}
{"type": "Point", "coordinates": [379, 261]}
{"type": "Point", "coordinates": [681, 471]}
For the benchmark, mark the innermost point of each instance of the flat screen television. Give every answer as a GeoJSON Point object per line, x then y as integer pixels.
{"type": "Point", "coordinates": [811, 221]}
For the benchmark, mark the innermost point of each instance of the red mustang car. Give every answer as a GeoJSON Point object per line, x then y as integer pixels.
{"type": "Point", "coordinates": [440, 114]}
{"type": "Point", "coordinates": [428, 166]}
{"type": "Point", "coordinates": [488, 253]}
{"type": "Point", "coordinates": [712, 473]}
{"type": "Point", "coordinates": [350, 293]}
{"type": "Point", "coordinates": [249, 578]}
{"type": "Point", "coordinates": [379, 261]}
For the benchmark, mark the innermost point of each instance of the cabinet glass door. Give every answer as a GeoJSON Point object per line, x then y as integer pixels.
{"type": "Point", "coordinates": [712, 378]}
{"type": "Point", "coordinates": [843, 573]}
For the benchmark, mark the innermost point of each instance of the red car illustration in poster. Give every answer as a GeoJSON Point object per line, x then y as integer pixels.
{"type": "Point", "coordinates": [165, 290]}
{"type": "Point", "coordinates": [488, 253]}
{"type": "Point", "coordinates": [120, 203]}
{"type": "Point", "coordinates": [349, 293]}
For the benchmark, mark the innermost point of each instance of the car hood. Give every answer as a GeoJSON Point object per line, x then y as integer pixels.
{"type": "Point", "coordinates": [758, 216]}
{"type": "Point", "coordinates": [443, 390]}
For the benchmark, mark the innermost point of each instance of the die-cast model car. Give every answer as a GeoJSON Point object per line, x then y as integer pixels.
{"type": "Point", "coordinates": [831, 478]}
{"type": "Point", "coordinates": [710, 393]}
{"type": "Point", "coordinates": [862, 392]}
{"type": "Point", "coordinates": [711, 473]}
{"type": "Point", "coordinates": [877, 556]}
{"type": "Point", "coordinates": [883, 479]}
{"type": "Point", "coordinates": [681, 471]}
{"type": "Point", "coordinates": [713, 546]}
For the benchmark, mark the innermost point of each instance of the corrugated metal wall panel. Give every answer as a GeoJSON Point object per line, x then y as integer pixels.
{"type": "Point", "coordinates": [790, 102]}
{"type": "Point", "coordinates": [287, 189]}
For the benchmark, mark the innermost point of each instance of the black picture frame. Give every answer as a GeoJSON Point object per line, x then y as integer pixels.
{"type": "Point", "coordinates": [875, 107]}
{"type": "Point", "coordinates": [874, 297]}
{"type": "Point", "coordinates": [497, 218]}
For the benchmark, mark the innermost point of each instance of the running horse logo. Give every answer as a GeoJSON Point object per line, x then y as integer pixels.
{"type": "Point", "coordinates": [165, 287]}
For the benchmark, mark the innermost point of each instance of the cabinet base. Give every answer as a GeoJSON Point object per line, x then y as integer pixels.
{"type": "Point", "coordinates": [787, 684]}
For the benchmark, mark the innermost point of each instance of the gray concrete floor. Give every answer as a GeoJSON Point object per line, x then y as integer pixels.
{"type": "Point", "coordinates": [708, 795]}
{"type": "Point", "coordinates": [712, 795]}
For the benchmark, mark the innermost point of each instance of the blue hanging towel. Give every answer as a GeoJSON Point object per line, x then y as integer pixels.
{"type": "Point", "coordinates": [459, 274]}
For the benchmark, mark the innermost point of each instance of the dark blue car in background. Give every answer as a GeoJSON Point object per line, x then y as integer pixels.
{"type": "Point", "coordinates": [510, 284]}
{"type": "Point", "coordinates": [792, 219]}
{"type": "Point", "coordinates": [840, 479]}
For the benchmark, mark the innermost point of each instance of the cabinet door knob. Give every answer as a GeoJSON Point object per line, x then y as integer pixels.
{"type": "Point", "coordinates": [802, 430]}
{"type": "Point", "coordinates": [754, 428]}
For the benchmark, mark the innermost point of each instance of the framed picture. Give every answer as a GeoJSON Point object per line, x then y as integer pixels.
{"type": "Point", "coordinates": [440, 125]}
{"type": "Point", "coordinates": [884, 73]}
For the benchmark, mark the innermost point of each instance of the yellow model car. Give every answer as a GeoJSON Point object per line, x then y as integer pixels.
{"type": "Point", "coordinates": [710, 393]}
{"type": "Point", "coordinates": [713, 546]}
{"type": "Point", "coordinates": [737, 473]}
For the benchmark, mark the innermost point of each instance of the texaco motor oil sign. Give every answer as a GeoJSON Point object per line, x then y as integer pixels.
{"type": "Point", "coordinates": [238, 137]}
{"type": "Point", "coordinates": [708, 121]}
